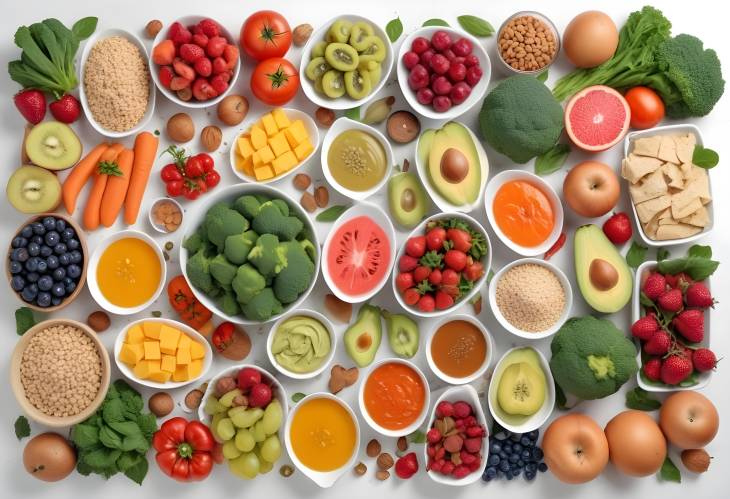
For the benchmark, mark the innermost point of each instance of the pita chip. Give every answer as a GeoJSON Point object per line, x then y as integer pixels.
{"type": "Point", "coordinates": [668, 149]}
{"type": "Point", "coordinates": [652, 187]}
{"type": "Point", "coordinates": [638, 166]}
{"type": "Point", "coordinates": [676, 231]}
{"type": "Point", "coordinates": [647, 146]}
{"type": "Point", "coordinates": [700, 218]}
{"type": "Point", "coordinates": [648, 209]}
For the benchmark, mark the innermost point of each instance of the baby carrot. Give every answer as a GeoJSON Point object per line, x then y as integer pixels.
{"type": "Point", "coordinates": [101, 175]}
{"type": "Point", "coordinates": [145, 150]}
{"type": "Point", "coordinates": [116, 189]}
{"type": "Point", "coordinates": [79, 176]}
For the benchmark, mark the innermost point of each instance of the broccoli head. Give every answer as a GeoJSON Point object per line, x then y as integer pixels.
{"type": "Point", "coordinates": [221, 223]}
{"type": "Point", "coordinates": [262, 306]}
{"type": "Point", "coordinates": [270, 220]}
{"type": "Point", "coordinates": [198, 270]}
{"type": "Point", "coordinates": [237, 246]}
{"type": "Point", "coordinates": [247, 205]}
{"type": "Point", "coordinates": [268, 256]}
{"type": "Point", "coordinates": [228, 303]}
{"type": "Point", "coordinates": [222, 270]}
{"type": "Point", "coordinates": [296, 277]}
{"type": "Point", "coordinates": [247, 283]}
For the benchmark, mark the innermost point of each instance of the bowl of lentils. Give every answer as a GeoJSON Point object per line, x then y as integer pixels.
{"type": "Point", "coordinates": [527, 43]}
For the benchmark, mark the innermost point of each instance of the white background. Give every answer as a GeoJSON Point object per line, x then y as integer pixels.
{"type": "Point", "coordinates": [697, 17]}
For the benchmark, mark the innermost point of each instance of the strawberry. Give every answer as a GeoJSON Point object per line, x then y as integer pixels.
{"type": "Point", "coordinates": [671, 300]}
{"type": "Point", "coordinates": [443, 300]}
{"type": "Point", "coordinates": [675, 369]}
{"type": "Point", "coordinates": [411, 296]}
{"type": "Point", "coordinates": [679, 281]}
{"type": "Point", "coordinates": [697, 295]}
{"type": "Point", "coordinates": [449, 277]}
{"type": "Point", "coordinates": [66, 109]}
{"type": "Point", "coordinates": [652, 368]}
{"type": "Point", "coordinates": [421, 273]}
{"type": "Point", "coordinates": [704, 359]}
{"type": "Point", "coordinates": [191, 53]}
{"type": "Point", "coordinates": [32, 105]}
{"type": "Point", "coordinates": [166, 75]}
{"type": "Point", "coordinates": [226, 75]}
{"type": "Point", "coordinates": [218, 84]}
{"type": "Point", "coordinates": [435, 238]}
{"type": "Point", "coordinates": [202, 90]}
{"type": "Point", "coordinates": [460, 238]}
{"type": "Point", "coordinates": [216, 46]}
{"type": "Point", "coordinates": [691, 325]}
{"type": "Point", "coordinates": [200, 40]}
{"type": "Point", "coordinates": [645, 327]}
{"type": "Point", "coordinates": [426, 303]}
{"type": "Point", "coordinates": [182, 69]}
{"type": "Point", "coordinates": [406, 466]}
{"type": "Point", "coordinates": [435, 277]}
{"type": "Point", "coordinates": [407, 263]}
{"type": "Point", "coordinates": [209, 27]}
{"type": "Point", "coordinates": [178, 83]}
{"type": "Point", "coordinates": [219, 65]}
{"type": "Point", "coordinates": [618, 228]}
{"type": "Point", "coordinates": [260, 395]}
{"type": "Point", "coordinates": [450, 289]}
{"type": "Point", "coordinates": [163, 53]}
{"type": "Point", "coordinates": [403, 281]}
{"type": "Point", "coordinates": [474, 271]}
{"type": "Point", "coordinates": [179, 34]}
{"type": "Point", "coordinates": [455, 259]}
{"type": "Point", "coordinates": [230, 54]}
{"type": "Point", "coordinates": [658, 344]}
{"type": "Point", "coordinates": [654, 286]}
{"type": "Point", "coordinates": [203, 67]}
{"type": "Point", "coordinates": [416, 246]}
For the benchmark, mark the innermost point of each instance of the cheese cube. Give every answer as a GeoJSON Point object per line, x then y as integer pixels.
{"type": "Point", "coordinates": [298, 131]}
{"type": "Point", "coordinates": [282, 120]}
{"type": "Point", "coordinates": [152, 329]}
{"type": "Point", "coordinates": [168, 339]}
{"type": "Point", "coordinates": [269, 125]}
{"type": "Point", "coordinates": [283, 163]}
{"type": "Point", "coordinates": [279, 144]}
{"type": "Point", "coordinates": [168, 363]}
{"type": "Point", "coordinates": [185, 341]}
{"type": "Point", "coordinates": [151, 350]}
{"type": "Point", "coordinates": [266, 154]}
{"type": "Point", "coordinates": [197, 350]}
{"type": "Point", "coordinates": [258, 137]}
{"type": "Point", "coordinates": [183, 356]}
{"type": "Point", "coordinates": [160, 376]}
{"type": "Point", "coordinates": [180, 374]}
{"type": "Point", "coordinates": [304, 149]}
{"type": "Point", "coordinates": [135, 334]}
{"type": "Point", "coordinates": [245, 149]}
{"type": "Point", "coordinates": [263, 172]}
{"type": "Point", "coordinates": [145, 368]}
{"type": "Point", "coordinates": [195, 368]}
{"type": "Point", "coordinates": [131, 353]}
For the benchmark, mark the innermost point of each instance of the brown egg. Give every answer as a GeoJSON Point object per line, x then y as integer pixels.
{"type": "Point", "coordinates": [49, 457]}
{"type": "Point", "coordinates": [689, 420]}
{"type": "Point", "coordinates": [636, 444]}
{"type": "Point", "coordinates": [575, 447]}
{"type": "Point", "coordinates": [590, 39]}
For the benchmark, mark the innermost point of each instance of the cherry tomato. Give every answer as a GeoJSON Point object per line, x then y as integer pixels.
{"type": "Point", "coordinates": [265, 34]}
{"type": "Point", "coordinates": [193, 167]}
{"type": "Point", "coordinates": [212, 178]}
{"type": "Point", "coordinates": [174, 188]}
{"type": "Point", "coordinates": [647, 108]}
{"type": "Point", "coordinates": [206, 160]}
{"type": "Point", "coordinates": [200, 184]}
{"type": "Point", "coordinates": [275, 81]}
{"type": "Point", "coordinates": [191, 191]}
{"type": "Point", "coordinates": [170, 172]}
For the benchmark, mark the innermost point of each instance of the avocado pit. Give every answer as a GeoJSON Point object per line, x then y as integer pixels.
{"type": "Point", "coordinates": [454, 165]}
{"type": "Point", "coordinates": [408, 200]}
{"type": "Point", "coordinates": [602, 274]}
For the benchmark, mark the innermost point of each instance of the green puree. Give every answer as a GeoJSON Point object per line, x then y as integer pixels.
{"type": "Point", "coordinates": [301, 344]}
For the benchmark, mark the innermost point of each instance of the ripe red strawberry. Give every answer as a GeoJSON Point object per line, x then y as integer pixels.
{"type": "Point", "coordinates": [652, 368]}
{"type": "Point", "coordinates": [216, 46]}
{"type": "Point", "coordinates": [679, 281]}
{"type": "Point", "coordinates": [66, 109]}
{"type": "Point", "coordinates": [203, 67]}
{"type": "Point", "coordinates": [411, 296]}
{"type": "Point", "coordinates": [219, 65]}
{"type": "Point", "coordinates": [691, 325]}
{"type": "Point", "coordinates": [403, 281]}
{"type": "Point", "coordinates": [407, 263]}
{"type": "Point", "coordinates": [191, 53]}
{"type": "Point", "coordinates": [416, 246]}
{"type": "Point", "coordinates": [230, 55]}
{"type": "Point", "coordinates": [166, 75]}
{"type": "Point", "coordinates": [461, 239]}
{"type": "Point", "coordinates": [32, 105]}
{"type": "Point", "coordinates": [200, 40]}
{"type": "Point", "coordinates": [675, 369]}
{"type": "Point", "coordinates": [449, 277]}
{"type": "Point", "coordinates": [697, 295]}
{"type": "Point", "coordinates": [704, 359]}
{"type": "Point", "coordinates": [645, 327]}
{"type": "Point", "coordinates": [658, 344]}
{"type": "Point", "coordinates": [443, 300]}
{"type": "Point", "coordinates": [202, 90]}
{"type": "Point", "coordinates": [179, 34]}
{"type": "Point", "coordinates": [209, 27]}
{"type": "Point", "coordinates": [421, 273]}
{"type": "Point", "coordinates": [435, 238]}
{"type": "Point", "coordinates": [435, 277]}
{"type": "Point", "coordinates": [618, 228]}
{"type": "Point", "coordinates": [455, 259]}
{"type": "Point", "coordinates": [671, 300]}
{"type": "Point", "coordinates": [426, 303]}
{"type": "Point", "coordinates": [654, 285]}
{"type": "Point", "coordinates": [218, 84]}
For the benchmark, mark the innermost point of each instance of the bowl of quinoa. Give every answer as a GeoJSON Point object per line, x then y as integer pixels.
{"type": "Point", "coordinates": [531, 298]}
{"type": "Point", "coordinates": [116, 90]}
{"type": "Point", "coordinates": [59, 372]}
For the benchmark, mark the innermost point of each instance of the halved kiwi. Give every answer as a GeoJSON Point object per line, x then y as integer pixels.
{"type": "Point", "coordinates": [357, 83]}
{"type": "Point", "coordinates": [339, 31]}
{"type": "Point", "coordinates": [53, 145]}
{"type": "Point", "coordinates": [316, 68]}
{"type": "Point", "coordinates": [333, 84]}
{"type": "Point", "coordinates": [360, 30]}
{"type": "Point", "coordinates": [32, 189]}
{"type": "Point", "coordinates": [318, 49]}
{"type": "Point", "coordinates": [374, 49]}
{"type": "Point", "coordinates": [341, 56]}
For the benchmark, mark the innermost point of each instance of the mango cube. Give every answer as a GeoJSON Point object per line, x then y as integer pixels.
{"type": "Point", "coordinates": [266, 154]}
{"type": "Point", "coordinates": [160, 376]}
{"type": "Point", "coordinates": [152, 329]}
{"type": "Point", "coordinates": [282, 120]}
{"type": "Point", "coordinates": [245, 149]}
{"type": "Point", "coordinates": [279, 144]}
{"type": "Point", "coordinates": [195, 368]}
{"type": "Point", "coordinates": [185, 341]}
{"type": "Point", "coordinates": [298, 131]}
{"type": "Point", "coordinates": [197, 350]}
{"type": "Point", "coordinates": [135, 334]}
{"type": "Point", "coordinates": [168, 363]}
{"type": "Point", "coordinates": [303, 150]}
{"type": "Point", "coordinates": [263, 172]}
{"type": "Point", "coordinates": [269, 125]}
{"type": "Point", "coordinates": [258, 137]}
{"type": "Point", "coordinates": [283, 163]}
{"type": "Point", "coordinates": [145, 368]}
{"type": "Point", "coordinates": [245, 165]}
{"type": "Point", "coordinates": [131, 353]}
{"type": "Point", "coordinates": [168, 339]}
{"type": "Point", "coordinates": [183, 356]}
{"type": "Point", "coordinates": [151, 350]}
{"type": "Point", "coordinates": [180, 374]}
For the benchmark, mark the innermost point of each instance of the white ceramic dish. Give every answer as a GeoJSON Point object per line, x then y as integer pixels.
{"type": "Point", "coordinates": [93, 284]}
{"type": "Point", "coordinates": [369, 420]}
{"type": "Point", "coordinates": [526, 334]}
{"type": "Point", "coordinates": [101, 35]}
{"type": "Point", "coordinates": [293, 115]}
{"type": "Point", "coordinates": [192, 103]}
{"type": "Point", "coordinates": [343, 102]}
{"type": "Point", "coordinates": [420, 230]}
{"type": "Point", "coordinates": [437, 198]}
{"type": "Point", "coordinates": [185, 329]}
{"type": "Point", "coordinates": [468, 394]}
{"type": "Point", "coordinates": [703, 379]}
{"type": "Point", "coordinates": [161, 228]}
{"type": "Point", "coordinates": [196, 216]}
{"type": "Point", "coordinates": [487, 359]}
{"type": "Point", "coordinates": [668, 130]}
{"type": "Point", "coordinates": [306, 313]}
{"type": "Point", "coordinates": [477, 93]}
{"type": "Point", "coordinates": [529, 423]}
{"type": "Point", "coordinates": [547, 23]}
{"type": "Point", "coordinates": [324, 479]}
{"type": "Point", "coordinates": [380, 218]}
{"type": "Point", "coordinates": [342, 125]}
{"type": "Point", "coordinates": [511, 175]}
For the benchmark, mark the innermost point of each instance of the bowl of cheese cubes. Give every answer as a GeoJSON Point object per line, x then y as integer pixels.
{"type": "Point", "coordinates": [162, 353]}
{"type": "Point", "coordinates": [275, 146]}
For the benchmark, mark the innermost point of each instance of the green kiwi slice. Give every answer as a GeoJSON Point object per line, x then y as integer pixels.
{"type": "Point", "coordinates": [359, 31]}
{"type": "Point", "coordinates": [333, 84]}
{"type": "Point", "coordinates": [316, 68]}
{"type": "Point", "coordinates": [339, 31]}
{"type": "Point", "coordinates": [357, 83]}
{"type": "Point", "coordinates": [341, 56]}
{"type": "Point", "coordinates": [374, 49]}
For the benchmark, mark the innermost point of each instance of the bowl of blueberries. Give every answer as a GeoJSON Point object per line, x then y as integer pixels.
{"type": "Point", "coordinates": [513, 454]}
{"type": "Point", "coordinates": [46, 263]}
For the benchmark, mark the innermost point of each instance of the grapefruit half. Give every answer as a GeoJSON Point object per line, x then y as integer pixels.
{"type": "Point", "coordinates": [597, 118]}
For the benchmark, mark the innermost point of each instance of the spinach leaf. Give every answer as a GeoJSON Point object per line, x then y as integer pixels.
{"type": "Point", "coordinates": [297, 397]}
{"type": "Point", "coordinates": [417, 437]}
{"type": "Point", "coordinates": [394, 29]}
{"type": "Point", "coordinates": [137, 472]}
{"type": "Point", "coordinates": [22, 428]}
{"type": "Point", "coordinates": [435, 22]}
{"type": "Point", "coordinates": [700, 251]}
{"type": "Point", "coordinates": [636, 255]}
{"type": "Point", "coordinates": [641, 400]}
{"type": "Point", "coordinates": [110, 438]}
{"type": "Point", "coordinates": [552, 160]}
{"type": "Point", "coordinates": [698, 268]}
{"type": "Point", "coordinates": [670, 472]}
{"type": "Point", "coordinates": [353, 113]}
{"type": "Point", "coordinates": [543, 76]}
{"type": "Point", "coordinates": [475, 26]}
{"type": "Point", "coordinates": [332, 213]}
{"type": "Point", "coordinates": [84, 28]}
{"type": "Point", "coordinates": [24, 320]}
{"type": "Point", "coordinates": [662, 254]}
{"type": "Point", "coordinates": [85, 435]}
{"type": "Point", "coordinates": [704, 157]}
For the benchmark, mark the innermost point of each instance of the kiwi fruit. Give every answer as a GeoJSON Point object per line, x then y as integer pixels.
{"type": "Point", "coordinates": [333, 84]}
{"type": "Point", "coordinates": [360, 30]}
{"type": "Point", "coordinates": [316, 68]}
{"type": "Point", "coordinates": [521, 390]}
{"type": "Point", "coordinates": [318, 85]}
{"type": "Point", "coordinates": [341, 56]}
{"type": "Point", "coordinates": [318, 49]}
{"type": "Point", "coordinates": [339, 31]}
{"type": "Point", "coordinates": [53, 145]}
{"type": "Point", "coordinates": [32, 189]}
{"type": "Point", "coordinates": [357, 83]}
{"type": "Point", "coordinates": [374, 49]}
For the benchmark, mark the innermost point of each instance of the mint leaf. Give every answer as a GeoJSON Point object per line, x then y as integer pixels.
{"type": "Point", "coordinates": [332, 213]}
{"type": "Point", "coordinates": [297, 397]}
{"type": "Point", "coordinates": [22, 427]}
{"type": "Point", "coordinates": [394, 29]}
{"type": "Point", "coordinates": [700, 251]}
{"type": "Point", "coordinates": [552, 160]}
{"type": "Point", "coordinates": [662, 254]}
{"type": "Point", "coordinates": [475, 26]}
{"type": "Point", "coordinates": [704, 157]}
{"type": "Point", "coordinates": [137, 472]}
{"type": "Point", "coordinates": [670, 472]}
{"type": "Point", "coordinates": [636, 255]}
{"type": "Point", "coordinates": [417, 437]}
{"type": "Point", "coordinates": [85, 435]}
{"type": "Point", "coordinates": [641, 400]}
{"type": "Point", "coordinates": [435, 22]}
{"type": "Point", "coordinates": [353, 113]}
{"type": "Point", "coordinates": [24, 320]}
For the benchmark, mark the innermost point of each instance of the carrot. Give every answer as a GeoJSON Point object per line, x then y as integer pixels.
{"type": "Point", "coordinates": [101, 176]}
{"type": "Point", "coordinates": [145, 150]}
{"type": "Point", "coordinates": [80, 175]}
{"type": "Point", "coordinates": [116, 189]}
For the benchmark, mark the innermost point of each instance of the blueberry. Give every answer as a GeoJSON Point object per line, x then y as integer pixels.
{"type": "Point", "coordinates": [76, 257]}
{"type": "Point", "coordinates": [504, 466]}
{"type": "Point", "coordinates": [37, 239]}
{"type": "Point", "coordinates": [32, 277]}
{"type": "Point", "coordinates": [495, 448]}
{"type": "Point", "coordinates": [529, 475]}
{"type": "Point", "coordinates": [531, 467]}
{"type": "Point", "coordinates": [27, 231]}
{"type": "Point", "coordinates": [69, 287]}
{"type": "Point", "coordinates": [537, 454]}
{"type": "Point", "coordinates": [38, 228]}
{"type": "Point", "coordinates": [17, 283]}
{"type": "Point", "coordinates": [533, 434]}
{"type": "Point", "coordinates": [526, 441]}
{"type": "Point", "coordinates": [60, 249]}
{"type": "Point", "coordinates": [516, 472]}
{"type": "Point", "coordinates": [31, 265]}
{"type": "Point", "coordinates": [64, 259]}
{"type": "Point", "coordinates": [29, 292]}
{"type": "Point", "coordinates": [503, 455]}
{"type": "Point", "coordinates": [58, 289]}
{"type": "Point", "coordinates": [508, 476]}
{"type": "Point", "coordinates": [513, 458]}
{"type": "Point", "coordinates": [19, 255]}
{"type": "Point", "coordinates": [45, 283]}
{"type": "Point", "coordinates": [52, 262]}
{"type": "Point", "coordinates": [49, 223]}
{"type": "Point", "coordinates": [52, 238]}
{"type": "Point", "coordinates": [526, 455]}
{"type": "Point", "coordinates": [520, 463]}
{"type": "Point", "coordinates": [15, 267]}
{"type": "Point", "coordinates": [43, 299]}
{"type": "Point", "coordinates": [73, 244]}
{"type": "Point", "coordinates": [19, 242]}
{"type": "Point", "coordinates": [42, 265]}
{"type": "Point", "coordinates": [507, 448]}
{"type": "Point", "coordinates": [501, 436]}
{"type": "Point", "coordinates": [493, 460]}
{"type": "Point", "coordinates": [515, 437]}
{"type": "Point", "coordinates": [489, 474]}
{"type": "Point", "coordinates": [67, 280]}
{"type": "Point", "coordinates": [46, 251]}
{"type": "Point", "coordinates": [517, 448]}
{"type": "Point", "coordinates": [67, 233]}
{"type": "Point", "coordinates": [56, 300]}
{"type": "Point", "coordinates": [60, 224]}
{"type": "Point", "coordinates": [34, 249]}
{"type": "Point", "coordinates": [73, 271]}
{"type": "Point", "coordinates": [58, 274]}
{"type": "Point", "coordinates": [542, 467]}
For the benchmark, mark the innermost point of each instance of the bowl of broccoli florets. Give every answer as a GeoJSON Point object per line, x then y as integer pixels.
{"type": "Point", "coordinates": [250, 253]}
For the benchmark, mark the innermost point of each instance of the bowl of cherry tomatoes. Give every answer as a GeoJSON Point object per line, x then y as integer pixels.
{"type": "Point", "coordinates": [188, 176]}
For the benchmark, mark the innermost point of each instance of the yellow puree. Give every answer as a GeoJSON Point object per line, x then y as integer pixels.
{"type": "Point", "coordinates": [323, 435]}
{"type": "Point", "coordinates": [129, 272]}
{"type": "Point", "coordinates": [356, 160]}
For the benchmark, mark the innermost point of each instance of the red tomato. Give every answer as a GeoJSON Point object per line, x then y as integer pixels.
{"type": "Point", "coordinates": [174, 188]}
{"type": "Point", "coordinates": [275, 81]}
{"type": "Point", "coordinates": [647, 108]}
{"type": "Point", "coordinates": [212, 178]}
{"type": "Point", "coordinates": [206, 161]}
{"type": "Point", "coordinates": [265, 34]}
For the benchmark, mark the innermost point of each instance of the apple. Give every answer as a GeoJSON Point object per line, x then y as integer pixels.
{"type": "Point", "coordinates": [591, 189]}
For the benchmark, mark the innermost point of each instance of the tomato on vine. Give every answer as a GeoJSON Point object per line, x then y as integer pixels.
{"type": "Point", "coordinates": [275, 81]}
{"type": "Point", "coordinates": [265, 34]}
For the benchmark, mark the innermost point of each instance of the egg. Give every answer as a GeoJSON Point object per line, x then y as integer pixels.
{"type": "Point", "coordinates": [636, 445]}
{"type": "Point", "coordinates": [689, 420]}
{"type": "Point", "coordinates": [49, 457]}
{"type": "Point", "coordinates": [590, 39]}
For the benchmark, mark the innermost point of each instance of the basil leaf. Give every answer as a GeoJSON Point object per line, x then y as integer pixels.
{"type": "Point", "coordinates": [353, 113]}
{"type": "Point", "coordinates": [297, 397]}
{"type": "Point", "coordinates": [636, 255]}
{"type": "Point", "coordinates": [475, 26]}
{"type": "Point", "coordinates": [435, 22]}
{"type": "Point", "coordinates": [697, 268]}
{"type": "Point", "coordinates": [700, 251]}
{"type": "Point", "coordinates": [542, 76]}
{"type": "Point", "coordinates": [332, 213]}
{"type": "Point", "coordinates": [394, 29]}
{"type": "Point", "coordinates": [670, 472]}
{"type": "Point", "coordinates": [641, 400]}
{"type": "Point", "coordinates": [24, 320]}
{"type": "Point", "coordinates": [84, 28]}
{"type": "Point", "coordinates": [662, 254]}
{"type": "Point", "coordinates": [22, 427]}
{"type": "Point", "coordinates": [552, 160]}
{"type": "Point", "coordinates": [704, 157]}
{"type": "Point", "coordinates": [417, 437]}
{"type": "Point", "coordinates": [137, 472]}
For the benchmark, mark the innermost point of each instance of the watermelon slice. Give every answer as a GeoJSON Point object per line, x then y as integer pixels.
{"type": "Point", "coordinates": [597, 118]}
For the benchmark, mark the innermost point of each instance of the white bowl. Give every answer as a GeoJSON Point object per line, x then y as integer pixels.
{"type": "Point", "coordinates": [703, 379]}
{"type": "Point", "coordinates": [369, 420]}
{"type": "Point", "coordinates": [161, 228]}
{"type": "Point", "coordinates": [548, 23]}
{"type": "Point", "coordinates": [324, 479]}
{"type": "Point", "coordinates": [526, 334]}
{"type": "Point", "coordinates": [342, 125]}
{"type": "Point", "coordinates": [380, 218]}
{"type": "Point", "coordinates": [101, 35]}
{"type": "Point", "coordinates": [511, 175]}
{"type": "Point", "coordinates": [467, 393]}
{"type": "Point", "coordinates": [192, 103]}
{"type": "Point", "coordinates": [487, 359]}
{"type": "Point", "coordinates": [667, 130]}
{"type": "Point", "coordinates": [420, 230]}
{"type": "Point", "coordinates": [306, 313]}
{"type": "Point", "coordinates": [292, 114]}
{"type": "Point", "coordinates": [536, 420]}
{"type": "Point", "coordinates": [195, 217]}
{"type": "Point", "coordinates": [185, 329]}
{"type": "Point", "coordinates": [477, 93]}
{"type": "Point", "coordinates": [93, 283]}
{"type": "Point", "coordinates": [344, 102]}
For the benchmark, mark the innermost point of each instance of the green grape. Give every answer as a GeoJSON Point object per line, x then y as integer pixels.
{"type": "Point", "coordinates": [244, 440]}
{"type": "Point", "coordinates": [225, 429]}
{"type": "Point", "coordinates": [271, 449]}
{"type": "Point", "coordinates": [245, 418]}
{"type": "Point", "coordinates": [273, 416]}
{"type": "Point", "coordinates": [214, 424]}
{"type": "Point", "coordinates": [227, 398]}
{"type": "Point", "coordinates": [230, 451]}
{"type": "Point", "coordinates": [212, 406]}
{"type": "Point", "coordinates": [258, 431]}
{"type": "Point", "coordinates": [245, 466]}
{"type": "Point", "coordinates": [265, 466]}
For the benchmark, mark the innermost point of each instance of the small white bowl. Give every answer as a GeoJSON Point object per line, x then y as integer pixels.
{"type": "Point", "coordinates": [420, 230]}
{"type": "Point", "coordinates": [192, 103]}
{"type": "Point", "coordinates": [703, 379]}
{"type": "Point", "coordinates": [477, 93]}
{"type": "Point", "coordinates": [101, 35]}
{"type": "Point", "coordinates": [161, 228]}
{"type": "Point", "coordinates": [306, 313]}
{"type": "Point", "coordinates": [536, 420]}
{"type": "Point", "coordinates": [487, 359]}
{"type": "Point", "coordinates": [344, 102]}
{"type": "Point", "coordinates": [526, 334]}
{"type": "Point", "coordinates": [437, 198]}
{"type": "Point", "coordinates": [380, 218]}
{"type": "Point", "coordinates": [93, 283]}
{"type": "Point", "coordinates": [371, 422]}
{"type": "Point", "coordinates": [342, 125]}
{"type": "Point", "coordinates": [547, 23]}
{"type": "Point", "coordinates": [511, 175]}
{"type": "Point", "coordinates": [293, 115]}
{"type": "Point", "coordinates": [465, 393]}
{"type": "Point", "coordinates": [324, 479]}
{"type": "Point", "coordinates": [670, 130]}
{"type": "Point", "coordinates": [185, 329]}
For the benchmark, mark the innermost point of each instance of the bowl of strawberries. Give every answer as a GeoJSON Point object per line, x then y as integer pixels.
{"type": "Point", "coordinates": [195, 62]}
{"type": "Point", "coordinates": [443, 263]}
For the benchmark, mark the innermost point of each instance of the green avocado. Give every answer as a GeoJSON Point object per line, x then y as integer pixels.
{"type": "Point", "coordinates": [603, 276]}
{"type": "Point", "coordinates": [452, 161]}
{"type": "Point", "coordinates": [403, 334]}
{"type": "Point", "coordinates": [406, 199]}
{"type": "Point", "coordinates": [521, 386]}
{"type": "Point", "coordinates": [362, 338]}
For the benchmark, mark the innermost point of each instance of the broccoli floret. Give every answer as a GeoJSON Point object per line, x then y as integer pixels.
{"type": "Point", "coordinates": [247, 283]}
{"type": "Point", "coordinates": [283, 207]}
{"type": "Point", "coordinates": [309, 248]}
{"type": "Point", "coordinates": [262, 198]}
{"type": "Point", "coordinates": [228, 303]}
{"type": "Point", "coordinates": [237, 246]}
{"type": "Point", "coordinates": [198, 270]}
{"type": "Point", "coordinates": [222, 270]}
{"type": "Point", "coordinates": [193, 243]}
{"type": "Point", "coordinates": [248, 206]}
{"type": "Point", "coordinates": [296, 277]}
{"type": "Point", "coordinates": [268, 256]}
{"type": "Point", "coordinates": [270, 220]}
{"type": "Point", "coordinates": [222, 223]}
{"type": "Point", "coordinates": [262, 306]}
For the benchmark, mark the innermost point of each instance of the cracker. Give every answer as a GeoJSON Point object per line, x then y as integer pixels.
{"type": "Point", "coordinates": [648, 209]}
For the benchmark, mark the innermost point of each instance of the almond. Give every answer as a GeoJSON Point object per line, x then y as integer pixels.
{"type": "Point", "coordinates": [308, 202]}
{"type": "Point", "coordinates": [301, 34]}
{"type": "Point", "coordinates": [373, 448]}
{"type": "Point", "coordinates": [302, 181]}
{"type": "Point", "coordinates": [321, 196]}
{"type": "Point", "coordinates": [402, 444]}
{"type": "Point", "coordinates": [153, 27]}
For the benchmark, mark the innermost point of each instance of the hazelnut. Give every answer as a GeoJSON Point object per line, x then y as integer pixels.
{"type": "Point", "coordinates": [360, 469]}
{"type": "Point", "coordinates": [153, 27]}
{"type": "Point", "coordinates": [302, 181]}
{"type": "Point", "coordinates": [696, 460]}
{"type": "Point", "coordinates": [193, 399]}
{"type": "Point", "coordinates": [211, 137]}
{"type": "Point", "coordinates": [325, 117]}
{"type": "Point", "coordinates": [385, 461]}
{"type": "Point", "coordinates": [373, 448]}
{"type": "Point", "coordinates": [301, 34]}
{"type": "Point", "coordinates": [321, 196]}
{"type": "Point", "coordinates": [402, 444]}
{"type": "Point", "coordinates": [382, 475]}
{"type": "Point", "coordinates": [308, 202]}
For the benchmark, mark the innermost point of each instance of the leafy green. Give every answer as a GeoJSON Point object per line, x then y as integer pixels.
{"type": "Point", "coordinates": [641, 400]}
{"type": "Point", "coordinates": [698, 263]}
{"type": "Point", "coordinates": [669, 471]}
{"type": "Point", "coordinates": [24, 320]}
{"type": "Point", "coordinates": [636, 255]}
{"type": "Point", "coordinates": [543, 76]}
{"type": "Point", "coordinates": [704, 157]}
{"type": "Point", "coordinates": [552, 160]}
{"type": "Point", "coordinates": [662, 254]}
{"type": "Point", "coordinates": [22, 427]}
{"type": "Point", "coordinates": [417, 437]}
{"type": "Point", "coordinates": [475, 26]}
{"type": "Point", "coordinates": [435, 22]}
{"type": "Point", "coordinates": [353, 113]}
{"type": "Point", "coordinates": [297, 397]}
{"type": "Point", "coordinates": [332, 213]}
{"type": "Point", "coordinates": [394, 29]}
{"type": "Point", "coordinates": [700, 251]}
